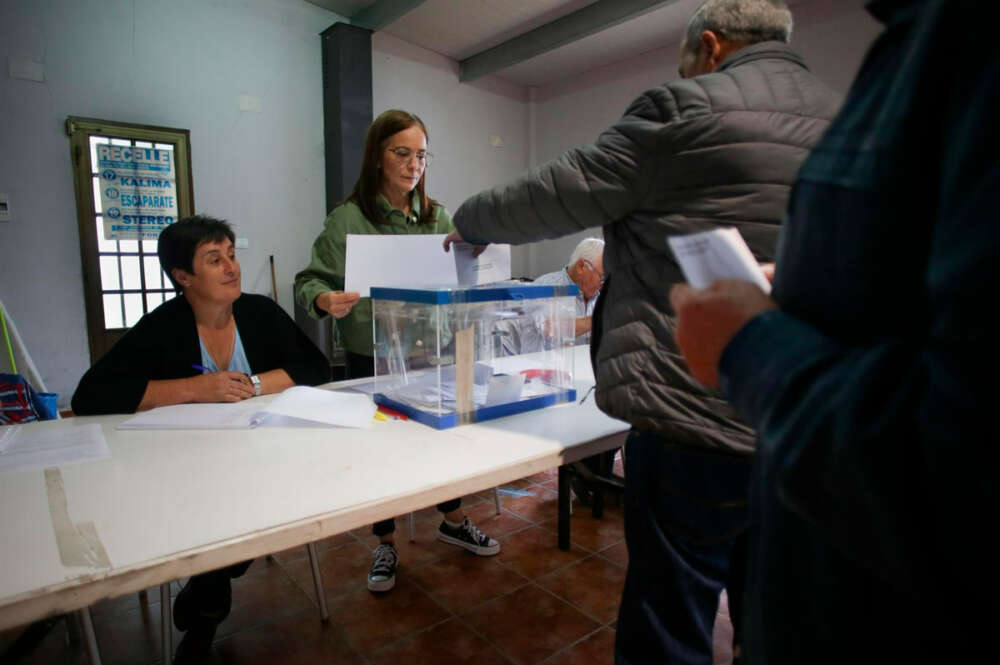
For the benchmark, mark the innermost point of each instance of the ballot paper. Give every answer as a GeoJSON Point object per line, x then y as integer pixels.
{"type": "Point", "coordinates": [33, 446]}
{"type": "Point", "coordinates": [717, 254]}
{"type": "Point", "coordinates": [298, 406]}
{"type": "Point", "coordinates": [493, 265]}
{"type": "Point", "coordinates": [419, 260]}
{"type": "Point", "coordinates": [396, 261]}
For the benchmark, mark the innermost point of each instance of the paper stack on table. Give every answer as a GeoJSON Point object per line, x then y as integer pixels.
{"type": "Point", "coordinates": [299, 406]}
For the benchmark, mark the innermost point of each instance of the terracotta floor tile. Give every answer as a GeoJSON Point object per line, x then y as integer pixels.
{"type": "Point", "coordinates": [262, 598]}
{"type": "Point", "coordinates": [594, 585]}
{"type": "Point", "coordinates": [130, 637]}
{"type": "Point", "coordinates": [43, 643]}
{"type": "Point", "coordinates": [462, 582]}
{"type": "Point", "coordinates": [344, 569]}
{"type": "Point", "coordinates": [297, 639]}
{"type": "Point", "coordinates": [451, 642]}
{"type": "Point", "coordinates": [590, 533]}
{"type": "Point", "coordinates": [519, 484]}
{"type": "Point", "coordinates": [544, 476]}
{"type": "Point", "coordinates": [533, 552]}
{"type": "Point", "coordinates": [484, 516]}
{"type": "Point", "coordinates": [541, 507]}
{"type": "Point", "coordinates": [616, 553]}
{"type": "Point", "coordinates": [530, 624]}
{"type": "Point", "coordinates": [596, 649]}
{"type": "Point", "coordinates": [371, 621]}
{"type": "Point", "coordinates": [300, 552]}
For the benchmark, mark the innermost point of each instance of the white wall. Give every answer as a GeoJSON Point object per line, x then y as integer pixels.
{"type": "Point", "coordinates": [833, 38]}
{"type": "Point", "coordinates": [178, 64]}
{"type": "Point", "coordinates": [460, 117]}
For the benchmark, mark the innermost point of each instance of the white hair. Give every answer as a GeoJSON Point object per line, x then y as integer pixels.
{"type": "Point", "coordinates": [588, 249]}
{"type": "Point", "coordinates": [746, 21]}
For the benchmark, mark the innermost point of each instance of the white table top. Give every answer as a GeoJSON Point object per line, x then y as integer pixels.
{"type": "Point", "coordinates": [170, 503]}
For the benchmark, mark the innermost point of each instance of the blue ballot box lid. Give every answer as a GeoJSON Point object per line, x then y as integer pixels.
{"type": "Point", "coordinates": [446, 295]}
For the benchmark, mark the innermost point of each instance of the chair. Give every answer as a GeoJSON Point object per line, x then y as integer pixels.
{"type": "Point", "coordinates": [599, 484]}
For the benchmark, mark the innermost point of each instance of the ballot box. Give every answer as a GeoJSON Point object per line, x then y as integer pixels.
{"type": "Point", "coordinates": [455, 355]}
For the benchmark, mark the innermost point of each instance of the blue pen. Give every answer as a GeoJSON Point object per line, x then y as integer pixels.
{"type": "Point", "coordinates": [203, 370]}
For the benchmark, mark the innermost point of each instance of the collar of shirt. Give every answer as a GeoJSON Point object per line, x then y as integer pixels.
{"type": "Point", "coordinates": [388, 212]}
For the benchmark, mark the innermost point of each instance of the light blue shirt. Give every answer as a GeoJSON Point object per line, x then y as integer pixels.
{"type": "Point", "coordinates": [237, 363]}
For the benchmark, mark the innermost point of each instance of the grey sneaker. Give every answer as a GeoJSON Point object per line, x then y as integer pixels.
{"type": "Point", "coordinates": [467, 535]}
{"type": "Point", "coordinates": [382, 575]}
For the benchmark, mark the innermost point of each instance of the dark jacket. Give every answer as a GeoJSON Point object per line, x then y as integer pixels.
{"type": "Point", "coordinates": [690, 155]}
{"type": "Point", "coordinates": [164, 345]}
{"type": "Point", "coordinates": [874, 388]}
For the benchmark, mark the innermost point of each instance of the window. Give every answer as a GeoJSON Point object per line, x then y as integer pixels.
{"type": "Point", "coordinates": [122, 277]}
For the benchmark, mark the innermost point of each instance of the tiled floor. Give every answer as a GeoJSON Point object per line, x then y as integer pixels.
{"type": "Point", "coordinates": [532, 603]}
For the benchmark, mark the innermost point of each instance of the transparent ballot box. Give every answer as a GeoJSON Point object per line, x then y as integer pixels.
{"type": "Point", "coordinates": [449, 356]}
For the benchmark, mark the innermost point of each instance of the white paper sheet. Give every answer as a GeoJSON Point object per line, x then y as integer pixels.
{"type": "Point", "coordinates": [493, 265]}
{"type": "Point", "coordinates": [396, 260]}
{"type": "Point", "coordinates": [299, 406]}
{"type": "Point", "coordinates": [25, 447]}
{"type": "Point", "coordinates": [718, 254]}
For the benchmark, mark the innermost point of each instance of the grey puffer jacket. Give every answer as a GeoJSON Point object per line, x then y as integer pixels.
{"type": "Point", "coordinates": [690, 155]}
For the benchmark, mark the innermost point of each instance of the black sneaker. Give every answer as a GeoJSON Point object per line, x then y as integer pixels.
{"type": "Point", "coordinates": [468, 536]}
{"type": "Point", "coordinates": [382, 575]}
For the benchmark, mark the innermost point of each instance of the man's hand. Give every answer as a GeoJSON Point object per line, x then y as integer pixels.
{"type": "Point", "coordinates": [222, 387]}
{"type": "Point", "coordinates": [708, 319]}
{"type": "Point", "coordinates": [337, 303]}
{"type": "Point", "coordinates": [454, 238]}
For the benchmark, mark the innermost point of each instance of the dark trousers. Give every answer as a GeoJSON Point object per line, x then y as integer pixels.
{"type": "Point", "coordinates": [358, 366]}
{"type": "Point", "coordinates": [684, 508]}
{"type": "Point", "coordinates": [211, 593]}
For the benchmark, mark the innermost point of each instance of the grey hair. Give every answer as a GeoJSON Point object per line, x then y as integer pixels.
{"type": "Point", "coordinates": [746, 21]}
{"type": "Point", "coordinates": [588, 249]}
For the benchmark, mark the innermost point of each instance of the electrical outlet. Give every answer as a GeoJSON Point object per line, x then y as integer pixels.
{"type": "Point", "coordinates": [242, 243]}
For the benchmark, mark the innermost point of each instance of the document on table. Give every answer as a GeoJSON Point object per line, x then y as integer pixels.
{"type": "Point", "coordinates": [717, 254]}
{"type": "Point", "coordinates": [25, 447]}
{"type": "Point", "coordinates": [493, 265]}
{"type": "Point", "coordinates": [396, 260]}
{"type": "Point", "coordinates": [298, 406]}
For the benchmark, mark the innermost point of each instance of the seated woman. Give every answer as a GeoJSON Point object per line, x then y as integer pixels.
{"type": "Point", "coordinates": [247, 346]}
{"type": "Point", "coordinates": [389, 198]}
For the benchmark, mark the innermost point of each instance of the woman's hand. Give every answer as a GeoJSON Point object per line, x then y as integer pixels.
{"type": "Point", "coordinates": [222, 387]}
{"type": "Point", "coordinates": [337, 303]}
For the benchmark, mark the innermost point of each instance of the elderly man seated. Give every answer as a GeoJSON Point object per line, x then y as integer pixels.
{"type": "Point", "coordinates": [586, 270]}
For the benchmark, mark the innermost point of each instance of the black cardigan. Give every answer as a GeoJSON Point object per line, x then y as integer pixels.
{"type": "Point", "coordinates": [164, 344]}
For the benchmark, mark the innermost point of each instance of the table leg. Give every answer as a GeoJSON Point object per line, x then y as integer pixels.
{"type": "Point", "coordinates": [324, 613]}
{"type": "Point", "coordinates": [564, 507]}
{"type": "Point", "coordinates": [413, 528]}
{"type": "Point", "coordinates": [89, 638]}
{"type": "Point", "coordinates": [496, 498]}
{"type": "Point", "coordinates": [166, 636]}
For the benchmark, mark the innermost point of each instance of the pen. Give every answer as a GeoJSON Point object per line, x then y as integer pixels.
{"type": "Point", "coordinates": [200, 368]}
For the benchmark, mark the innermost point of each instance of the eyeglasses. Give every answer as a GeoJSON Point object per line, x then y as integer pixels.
{"type": "Point", "coordinates": [404, 155]}
{"type": "Point", "coordinates": [600, 274]}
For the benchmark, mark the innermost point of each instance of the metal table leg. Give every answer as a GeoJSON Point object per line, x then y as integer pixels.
{"type": "Point", "coordinates": [324, 614]}
{"type": "Point", "coordinates": [564, 507]}
{"type": "Point", "coordinates": [89, 638]}
{"type": "Point", "coordinates": [496, 498]}
{"type": "Point", "coordinates": [166, 636]}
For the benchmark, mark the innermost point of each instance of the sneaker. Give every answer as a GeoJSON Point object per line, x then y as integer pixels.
{"type": "Point", "coordinates": [467, 535]}
{"type": "Point", "coordinates": [382, 575]}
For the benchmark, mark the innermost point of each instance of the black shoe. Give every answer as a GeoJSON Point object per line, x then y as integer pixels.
{"type": "Point", "coordinates": [382, 575]}
{"type": "Point", "coordinates": [468, 536]}
{"type": "Point", "coordinates": [196, 644]}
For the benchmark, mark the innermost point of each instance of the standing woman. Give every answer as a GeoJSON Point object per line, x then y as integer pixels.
{"type": "Point", "coordinates": [389, 198]}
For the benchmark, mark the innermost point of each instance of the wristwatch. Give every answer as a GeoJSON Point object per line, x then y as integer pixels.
{"type": "Point", "coordinates": [255, 380]}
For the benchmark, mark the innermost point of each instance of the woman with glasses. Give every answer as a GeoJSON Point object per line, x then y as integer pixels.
{"type": "Point", "coordinates": [389, 197]}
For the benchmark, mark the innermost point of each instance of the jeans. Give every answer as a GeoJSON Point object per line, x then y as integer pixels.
{"type": "Point", "coordinates": [358, 366]}
{"type": "Point", "coordinates": [684, 509]}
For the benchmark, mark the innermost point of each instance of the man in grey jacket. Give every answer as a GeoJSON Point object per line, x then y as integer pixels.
{"type": "Point", "coordinates": [719, 147]}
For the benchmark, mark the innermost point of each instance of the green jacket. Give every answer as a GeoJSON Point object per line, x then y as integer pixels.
{"type": "Point", "coordinates": [325, 271]}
